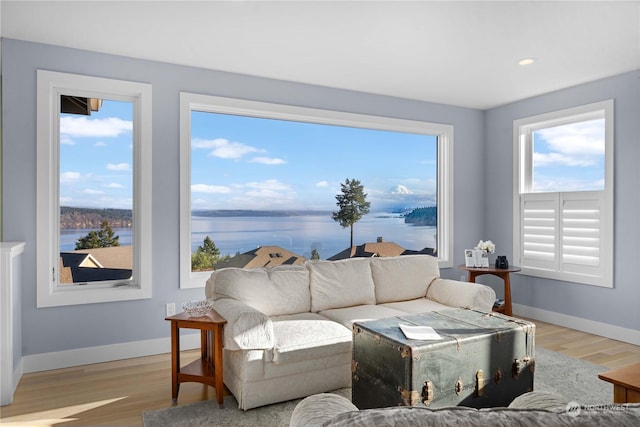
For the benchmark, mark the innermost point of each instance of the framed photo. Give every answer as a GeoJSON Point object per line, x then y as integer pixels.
{"type": "Point", "coordinates": [469, 258]}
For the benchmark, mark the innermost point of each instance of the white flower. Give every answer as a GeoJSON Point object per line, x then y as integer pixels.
{"type": "Point", "coordinates": [487, 246]}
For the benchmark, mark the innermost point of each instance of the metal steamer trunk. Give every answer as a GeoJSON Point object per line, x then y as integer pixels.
{"type": "Point", "coordinates": [482, 360]}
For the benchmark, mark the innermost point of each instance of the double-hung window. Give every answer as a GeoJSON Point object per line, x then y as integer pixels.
{"type": "Point", "coordinates": [259, 184]}
{"type": "Point", "coordinates": [563, 194]}
{"type": "Point", "coordinates": [93, 190]}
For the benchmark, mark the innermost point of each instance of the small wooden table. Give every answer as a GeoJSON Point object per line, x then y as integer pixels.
{"type": "Point", "coordinates": [502, 273]}
{"type": "Point", "coordinates": [206, 370]}
{"type": "Point", "coordinates": [626, 383]}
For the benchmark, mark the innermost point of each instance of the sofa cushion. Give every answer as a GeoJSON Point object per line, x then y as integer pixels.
{"type": "Point", "coordinates": [339, 412]}
{"type": "Point", "coordinates": [403, 277]}
{"type": "Point", "coordinates": [336, 284]}
{"type": "Point", "coordinates": [277, 291]}
{"type": "Point", "coordinates": [497, 417]}
{"type": "Point", "coordinates": [416, 306]}
{"type": "Point", "coordinates": [290, 290]}
{"type": "Point", "coordinates": [462, 294]}
{"type": "Point", "coordinates": [308, 336]}
{"type": "Point", "coordinates": [360, 313]}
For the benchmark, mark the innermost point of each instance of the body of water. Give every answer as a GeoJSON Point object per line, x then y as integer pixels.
{"type": "Point", "coordinates": [299, 234]}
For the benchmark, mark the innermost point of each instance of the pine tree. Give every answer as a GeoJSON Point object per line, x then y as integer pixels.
{"type": "Point", "coordinates": [353, 204]}
{"type": "Point", "coordinates": [206, 256]}
{"type": "Point", "coordinates": [315, 254]}
{"type": "Point", "coordinates": [209, 248]}
{"type": "Point", "coordinates": [103, 238]}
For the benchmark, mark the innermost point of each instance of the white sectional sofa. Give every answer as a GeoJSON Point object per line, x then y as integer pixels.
{"type": "Point", "coordinates": [288, 332]}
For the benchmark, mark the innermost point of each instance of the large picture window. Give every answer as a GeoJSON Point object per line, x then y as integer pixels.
{"type": "Point", "coordinates": [94, 189]}
{"type": "Point", "coordinates": [259, 184]}
{"type": "Point", "coordinates": [563, 194]}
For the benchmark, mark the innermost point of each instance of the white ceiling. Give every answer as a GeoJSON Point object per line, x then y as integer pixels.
{"type": "Point", "coordinates": [462, 53]}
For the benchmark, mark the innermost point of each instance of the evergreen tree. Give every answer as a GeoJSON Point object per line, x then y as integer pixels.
{"type": "Point", "coordinates": [209, 248]}
{"type": "Point", "coordinates": [315, 254]}
{"type": "Point", "coordinates": [353, 204]}
{"type": "Point", "coordinates": [206, 256]}
{"type": "Point", "coordinates": [103, 238]}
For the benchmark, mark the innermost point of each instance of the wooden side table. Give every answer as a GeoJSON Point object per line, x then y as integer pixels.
{"type": "Point", "coordinates": [626, 383]}
{"type": "Point", "coordinates": [206, 370]}
{"type": "Point", "coordinates": [502, 273]}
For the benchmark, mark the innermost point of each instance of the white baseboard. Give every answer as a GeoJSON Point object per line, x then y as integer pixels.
{"type": "Point", "coordinates": [631, 336]}
{"type": "Point", "coordinates": [103, 353]}
{"type": "Point", "coordinates": [17, 375]}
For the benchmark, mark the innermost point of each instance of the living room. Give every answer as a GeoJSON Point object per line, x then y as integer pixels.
{"type": "Point", "coordinates": [45, 338]}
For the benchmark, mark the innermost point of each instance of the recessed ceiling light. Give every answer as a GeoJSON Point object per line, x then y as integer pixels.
{"type": "Point", "coordinates": [527, 61]}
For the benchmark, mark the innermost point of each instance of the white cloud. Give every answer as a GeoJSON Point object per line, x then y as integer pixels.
{"type": "Point", "coordinates": [400, 189]}
{"type": "Point", "coordinates": [546, 159]}
{"type": "Point", "coordinates": [92, 191]}
{"type": "Point", "coordinates": [71, 126]}
{"type": "Point", "coordinates": [65, 140]}
{"type": "Point", "coordinates": [271, 189]}
{"type": "Point", "coordinates": [114, 185]}
{"type": "Point", "coordinates": [118, 167]}
{"type": "Point", "coordinates": [322, 184]}
{"type": "Point", "coordinates": [100, 144]}
{"type": "Point", "coordinates": [269, 184]}
{"type": "Point", "coordinates": [577, 144]}
{"type": "Point", "coordinates": [68, 177]}
{"type": "Point", "coordinates": [224, 149]}
{"type": "Point", "coordinates": [554, 185]}
{"type": "Point", "coordinates": [268, 161]}
{"type": "Point", "coordinates": [210, 189]}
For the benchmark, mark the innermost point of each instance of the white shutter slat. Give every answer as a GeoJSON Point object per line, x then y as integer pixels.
{"type": "Point", "coordinates": [581, 233]}
{"type": "Point", "coordinates": [539, 214]}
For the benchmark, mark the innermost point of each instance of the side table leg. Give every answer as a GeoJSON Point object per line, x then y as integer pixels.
{"type": "Point", "coordinates": [507, 296]}
{"type": "Point", "coordinates": [217, 363]}
{"type": "Point", "coordinates": [175, 360]}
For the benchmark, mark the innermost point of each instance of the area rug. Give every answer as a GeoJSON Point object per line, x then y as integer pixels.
{"type": "Point", "coordinates": [573, 378]}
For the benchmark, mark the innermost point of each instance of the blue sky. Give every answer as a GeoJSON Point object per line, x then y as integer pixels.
{"type": "Point", "coordinates": [569, 157]}
{"type": "Point", "coordinates": [248, 163]}
{"type": "Point", "coordinates": [96, 157]}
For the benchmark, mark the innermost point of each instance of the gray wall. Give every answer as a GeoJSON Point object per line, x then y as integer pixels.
{"type": "Point", "coordinates": [617, 306]}
{"type": "Point", "coordinates": [62, 328]}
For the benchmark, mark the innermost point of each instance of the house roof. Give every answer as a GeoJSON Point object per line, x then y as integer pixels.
{"type": "Point", "coordinates": [382, 249]}
{"type": "Point", "coordinates": [264, 256]}
{"type": "Point", "coordinates": [112, 257]}
{"type": "Point", "coordinates": [98, 264]}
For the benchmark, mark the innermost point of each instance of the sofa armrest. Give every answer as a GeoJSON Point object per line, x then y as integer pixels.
{"type": "Point", "coordinates": [315, 410]}
{"type": "Point", "coordinates": [462, 294]}
{"type": "Point", "coordinates": [540, 400]}
{"type": "Point", "coordinates": [246, 328]}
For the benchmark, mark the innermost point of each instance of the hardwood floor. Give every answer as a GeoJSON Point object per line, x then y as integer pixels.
{"type": "Point", "coordinates": [116, 393]}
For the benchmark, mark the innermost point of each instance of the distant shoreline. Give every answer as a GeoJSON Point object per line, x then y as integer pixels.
{"type": "Point", "coordinates": [72, 218]}
{"type": "Point", "coordinates": [217, 213]}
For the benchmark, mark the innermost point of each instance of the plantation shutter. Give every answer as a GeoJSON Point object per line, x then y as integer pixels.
{"type": "Point", "coordinates": [540, 219]}
{"type": "Point", "coordinates": [581, 233]}
{"type": "Point", "coordinates": [565, 233]}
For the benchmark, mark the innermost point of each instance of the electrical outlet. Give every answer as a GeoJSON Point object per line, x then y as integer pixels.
{"type": "Point", "coordinates": [171, 309]}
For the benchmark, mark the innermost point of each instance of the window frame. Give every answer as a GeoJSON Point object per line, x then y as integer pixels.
{"type": "Point", "coordinates": [206, 103]}
{"type": "Point", "coordinates": [604, 199]}
{"type": "Point", "coordinates": [50, 86]}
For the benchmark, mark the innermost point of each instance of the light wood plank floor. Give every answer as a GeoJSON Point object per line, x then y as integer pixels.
{"type": "Point", "coordinates": [116, 393]}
